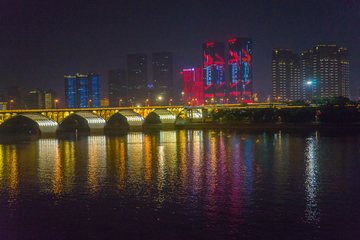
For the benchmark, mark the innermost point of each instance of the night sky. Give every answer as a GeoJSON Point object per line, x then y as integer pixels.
{"type": "Point", "coordinates": [41, 41]}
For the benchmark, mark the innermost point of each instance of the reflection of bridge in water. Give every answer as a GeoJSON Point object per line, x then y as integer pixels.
{"type": "Point", "coordinates": [51, 120]}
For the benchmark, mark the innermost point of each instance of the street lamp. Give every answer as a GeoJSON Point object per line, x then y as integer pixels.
{"type": "Point", "coordinates": [120, 100]}
{"type": "Point", "coordinates": [55, 102]}
{"type": "Point", "coordinates": [11, 101]}
{"type": "Point", "coordinates": [89, 102]}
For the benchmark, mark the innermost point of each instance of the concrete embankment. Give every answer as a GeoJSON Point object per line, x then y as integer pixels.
{"type": "Point", "coordinates": [274, 126]}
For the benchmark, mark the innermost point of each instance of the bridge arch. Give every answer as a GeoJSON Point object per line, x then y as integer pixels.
{"type": "Point", "coordinates": [29, 124]}
{"type": "Point", "coordinates": [124, 119]}
{"type": "Point", "coordinates": [82, 122]}
{"type": "Point", "coordinates": [160, 116]}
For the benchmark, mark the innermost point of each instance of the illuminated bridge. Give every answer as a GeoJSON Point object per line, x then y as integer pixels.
{"type": "Point", "coordinates": [51, 120]}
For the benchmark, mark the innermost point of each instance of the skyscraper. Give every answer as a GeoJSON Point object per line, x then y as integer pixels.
{"type": "Point", "coordinates": [306, 74]}
{"type": "Point", "coordinates": [285, 75]}
{"type": "Point", "coordinates": [82, 90]}
{"type": "Point", "coordinates": [14, 98]}
{"type": "Point", "coordinates": [94, 90]}
{"type": "Point", "coordinates": [137, 79]}
{"type": "Point", "coordinates": [193, 86]}
{"type": "Point", "coordinates": [162, 70]}
{"type": "Point", "coordinates": [36, 100]}
{"type": "Point", "coordinates": [330, 71]}
{"type": "Point", "coordinates": [118, 88]}
{"type": "Point", "coordinates": [240, 69]}
{"type": "Point", "coordinates": [214, 65]}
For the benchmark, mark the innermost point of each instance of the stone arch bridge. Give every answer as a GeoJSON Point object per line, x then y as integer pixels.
{"type": "Point", "coordinates": [58, 115]}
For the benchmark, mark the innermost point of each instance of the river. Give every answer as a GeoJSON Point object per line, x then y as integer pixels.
{"type": "Point", "coordinates": [182, 184]}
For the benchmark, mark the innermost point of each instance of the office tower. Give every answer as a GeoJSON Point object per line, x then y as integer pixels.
{"type": "Point", "coordinates": [193, 86]}
{"type": "Point", "coordinates": [137, 79]}
{"type": "Point", "coordinates": [50, 99]}
{"type": "Point", "coordinates": [94, 90]}
{"type": "Point", "coordinates": [240, 69]}
{"type": "Point", "coordinates": [306, 74]}
{"type": "Point", "coordinates": [162, 70]}
{"type": "Point", "coordinates": [330, 71]}
{"type": "Point", "coordinates": [285, 75]}
{"type": "Point", "coordinates": [214, 65]}
{"type": "Point", "coordinates": [118, 88]}
{"type": "Point", "coordinates": [82, 90]}
{"type": "Point", "coordinates": [14, 98]}
{"type": "Point", "coordinates": [36, 100]}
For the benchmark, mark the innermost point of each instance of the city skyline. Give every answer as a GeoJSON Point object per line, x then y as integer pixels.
{"type": "Point", "coordinates": [40, 45]}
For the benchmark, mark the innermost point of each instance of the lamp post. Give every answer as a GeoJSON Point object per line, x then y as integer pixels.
{"type": "Point", "coordinates": [120, 101]}
{"type": "Point", "coordinates": [11, 101]}
{"type": "Point", "coordinates": [55, 102]}
{"type": "Point", "coordinates": [89, 102]}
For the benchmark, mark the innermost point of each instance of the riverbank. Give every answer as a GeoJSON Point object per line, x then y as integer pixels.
{"type": "Point", "coordinates": [274, 126]}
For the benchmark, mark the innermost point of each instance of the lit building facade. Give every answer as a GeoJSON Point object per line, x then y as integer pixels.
{"type": "Point", "coordinates": [306, 74]}
{"type": "Point", "coordinates": [330, 71]}
{"type": "Point", "coordinates": [41, 99]}
{"type": "Point", "coordinates": [285, 75]}
{"type": "Point", "coordinates": [193, 86]}
{"type": "Point", "coordinates": [240, 70]}
{"type": "Point", "coordinates": [214, 79]}
{"type": "Point", "coordinates": [137, 79]}
{"type": "Point", "coordinates": [118, 88]}
{"type": "Point", "coordinates": [163, 84]}
{"type": "Point", "coordinates": [82, 90]}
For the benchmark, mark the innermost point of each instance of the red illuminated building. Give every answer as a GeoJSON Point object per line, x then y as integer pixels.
{"type": "Point", "coordinates": [193, 86]}
{"type": "Point", "coordinates": [240, 69]}
{"type": "Point", "coordinates": [214, 79]}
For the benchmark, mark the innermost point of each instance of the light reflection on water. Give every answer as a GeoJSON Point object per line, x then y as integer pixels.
{"type": "Point", "coordinates": [311, 183]}
{"type": "Point", "coordinates": [216, 182]}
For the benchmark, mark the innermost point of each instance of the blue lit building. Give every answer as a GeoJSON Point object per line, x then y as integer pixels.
{"type": "Point", "coordinates": [82, 90]}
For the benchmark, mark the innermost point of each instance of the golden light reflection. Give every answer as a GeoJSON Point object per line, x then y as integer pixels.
{"type": "Point", "coordinates": [135, 156]}
{"type": "Point", "coordinates": [68, 160]}
{"type": "Point", "coordinates": [1, 166]}
{"type": "Point", "coordinates": [97, 164]}
{"type": "Point", "coordinates": [148, 159]}
{"type": "Point", "coordinates": [50, 168]}
{"type": "Point", "coordinates": [181, 156]}
{"type": "Point", "coordinates": [311, 181]}
{"type": "Point", "coordinates": [14, 178]}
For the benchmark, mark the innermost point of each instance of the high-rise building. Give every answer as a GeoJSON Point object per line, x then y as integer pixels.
{"type": "Point", "coordinates": [162, 70]}
{"type": "Point", "coordinates": [240, 69]}
{"type": "Point", "coordinates": [14, 98]}
{"type": "Point", "coordinates": [39, 99]}
{"type": "Point", "coordinates": [50, 99]}
{"type": "Point", "coordinates": [137, 74]}
{"type": "Point", "coordinates": [36, 100]}
{"type": "Point", "coordinates": [82, 90]}
{"type": "Point", "coordinates": [285, 75]}
{"type": "Point", "coordinates": [330, 71]}
{"type": "Point", "coordinates": [118, 88]}
{"type": "Point", "coordinates": [214, 65]}
{"type": "Point", "coordinates": [193, 86]}
{"type": "Point", "coordinates": [306, 74]}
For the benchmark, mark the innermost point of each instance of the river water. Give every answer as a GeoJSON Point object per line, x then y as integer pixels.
{"type": "Point", "coordinates": [183, 184]}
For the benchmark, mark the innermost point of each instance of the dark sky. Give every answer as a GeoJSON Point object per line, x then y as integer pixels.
{"type": "Point", "coordinates": [41, 41]}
